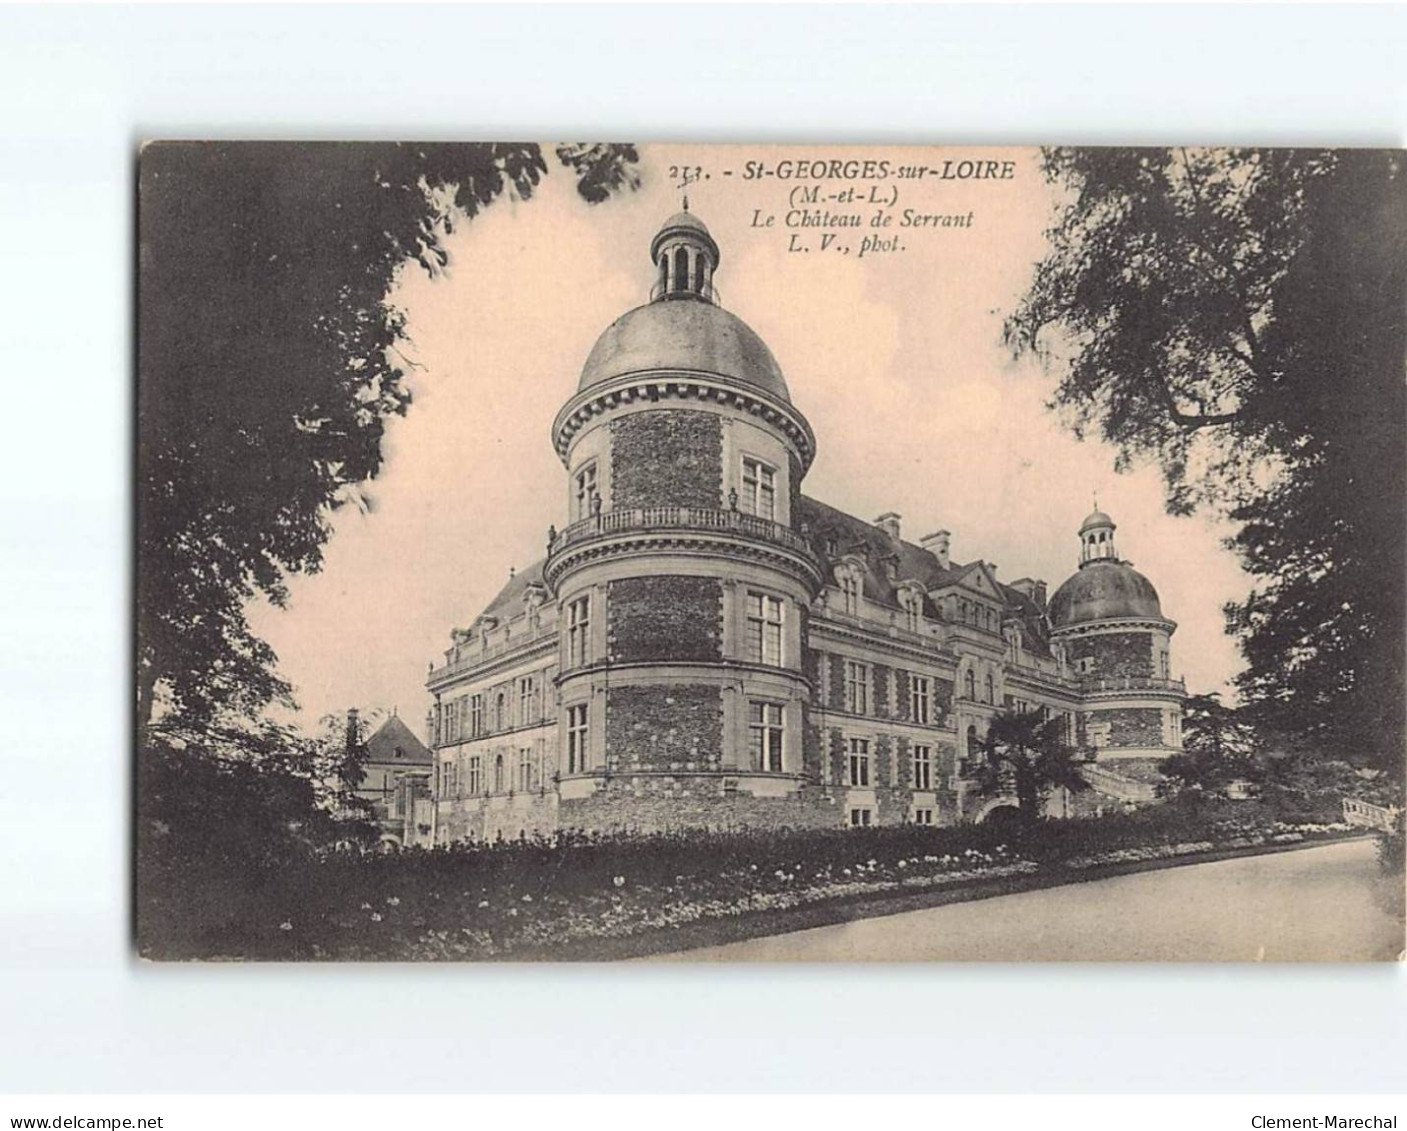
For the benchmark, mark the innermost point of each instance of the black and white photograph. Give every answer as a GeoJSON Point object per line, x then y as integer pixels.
{"type": "Point", "coordinates": [702, 552]}
{"type": "Point", "coordinates": [693, 565]}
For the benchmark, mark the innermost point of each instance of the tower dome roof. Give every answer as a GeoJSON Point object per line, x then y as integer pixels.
{"type": "Point", "coordinates": [684, 221]}
{"type": "Point", "coordinates": [1104, 589]}
{"type": "Point", "coordinates": [697, 336]}
{"type": "Point", "coordinates": [1097, 519]}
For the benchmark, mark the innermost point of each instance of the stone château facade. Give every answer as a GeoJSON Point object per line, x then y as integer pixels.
{"type": "Point", "coordinates": [704, 645]}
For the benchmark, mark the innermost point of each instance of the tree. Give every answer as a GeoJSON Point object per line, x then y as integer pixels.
{"type": "Point", "coordinates": [1027, 754]}
{"type": "Point", "coordinates": [268, 365]}
{"type": "Point", "coordinates": [1218, 747]}
{"type": "Point", "coordinates": [1238, 315]}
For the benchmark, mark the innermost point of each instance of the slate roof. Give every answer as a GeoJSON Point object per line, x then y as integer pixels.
{"type": "Point", "coordinates": [395, 743]}
{"type": "Point", "coordinates": [509, 602]}
{"type": "Point", "coordinates": [828, 527]}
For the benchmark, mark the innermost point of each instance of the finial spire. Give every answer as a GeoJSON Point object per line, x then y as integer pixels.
{"type": "Point", "coordinates": [686, 201]}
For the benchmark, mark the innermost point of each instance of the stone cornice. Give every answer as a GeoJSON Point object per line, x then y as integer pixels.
{"type": "Point", "coordinates": [729, 546]}
{"type": "Point", "coordinates": [440, 679]}
{"type": "Point", "coordinates": [879, 639]}
{"type": "Point", "coordinates": [1114, 624]}
{"type": "Point", "coordinates": [683, 385]}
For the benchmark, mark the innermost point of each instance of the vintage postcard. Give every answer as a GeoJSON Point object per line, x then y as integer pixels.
{"type": "Point", "coordinates": [601, 551]}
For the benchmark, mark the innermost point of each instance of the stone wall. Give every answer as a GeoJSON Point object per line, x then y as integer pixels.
{"type": "Point", "coordinates": [706, 805]}
{"type": "Point", "coordinates": [498, 817]}
{"type": "Point", "coordinates": [667, 727]}
{"type": "Point", "coordinates": [664, 618]}
{"type": "Point", "coordinates": [882, 689]}
{"type": "Point", "coordinates": [1132, 726]}
{"type": "Point", "coordinates": [667, 457]}
{"type": "Point", "coordinates": [1115, 653]}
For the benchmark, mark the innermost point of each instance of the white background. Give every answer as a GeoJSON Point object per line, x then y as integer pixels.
{"type": "Point", "coordinates": [80, 87]}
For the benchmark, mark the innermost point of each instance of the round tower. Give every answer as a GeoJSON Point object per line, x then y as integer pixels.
{"type": "Point", "coordinates": [681, 578]}
{"type": "Point", "coordinates": [1108, 623]}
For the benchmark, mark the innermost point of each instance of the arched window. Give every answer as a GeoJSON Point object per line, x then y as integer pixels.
{"type": "Point", "coordinates": [699, 274]}
{"type": "Point", "coordinates": [971, 751]}
{"type": "Point", "coordinates": [681, 269]}
{"type": "Point", "coordinates": [991, 689]}
{"type": "Point", "coordinates": [498, 773]}
{"type": "Point", "coordinates": [500, 712]}
{"type": "Point", "coordinates": [971, 685]}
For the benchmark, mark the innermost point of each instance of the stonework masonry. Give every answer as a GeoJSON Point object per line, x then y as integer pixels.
{"type": "Point", "coordinates": [1115, 654]}
{"type": "Point", "coordinates": [665, 618]}
{"type": "Point", "coordinates": [1133, 726]}
{"type": "Point", "coordinates": [667, 457]}
{"type": "Point", "coordinates": [669, 728]}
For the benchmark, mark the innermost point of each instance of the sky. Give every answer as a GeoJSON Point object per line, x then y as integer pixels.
{"type": "Point", "coordinates": [895, 357]}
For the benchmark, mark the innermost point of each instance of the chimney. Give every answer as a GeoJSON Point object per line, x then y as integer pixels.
{"type": "Point", "coordinates": [1032, 588]}
{"type": "Point", "coordinates": [937, 545]}
{"type": "Point", "coordinates": [353, 730]}
{"type": "Point", "coordinates": [889, 523]}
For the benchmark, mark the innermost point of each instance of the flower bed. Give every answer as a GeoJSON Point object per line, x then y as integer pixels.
{"type": "Point", "coordinates": [560, 897]}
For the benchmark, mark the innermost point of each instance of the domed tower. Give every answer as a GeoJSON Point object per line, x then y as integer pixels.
{"type": "Point", "coordinates": [682, 579]}
{"type": "Point", "coordinates": [1109, 624]}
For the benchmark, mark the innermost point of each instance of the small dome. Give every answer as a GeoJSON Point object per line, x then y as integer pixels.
{"type": "Point", "coordinates": [1104, 590]}
{"type": "Point", "coordinates": [1096, 520]}
{"type": "Point", "coordinates": [697, 336]}
{"type": "Point", "coordinates": [684, 220]}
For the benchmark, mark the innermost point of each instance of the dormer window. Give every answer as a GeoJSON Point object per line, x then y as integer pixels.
{"type": "Point", "coordinates": [911, 600]}
{"type": "Point", "coordinates": [850, 591]}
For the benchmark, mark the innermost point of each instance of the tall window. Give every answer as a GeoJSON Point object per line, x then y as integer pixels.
{"type": "Point", "coordinates": [585, 491]}
{"type": "Point", "coordinates": [764, 629]}
{"type": "Point", "coordinates": [913, 612]}
{"type": "Point", "coordinates": [476, 715]}
{"type": "Point", "coordinates": [991, 689]}
{"type": "Point", "coordinates": [765, 736]}
{"type": "Point", "coordinates": [527, 695]}
{"type": "Point", "coordinates": [920, 699]}
{"type": "Point", "coordinates": [476, 774]}
{"type": "Point", "coordinates": [923, 767]}
{"type": "Point", "coordinates": [970, 684]}
{"type": "Point", "coordinates": [857, 687]}
{"type": "Point", "coordinates": [850, 591]}
{"type": "Point", "coordinates": [859, 761]}
{"type": "Point", "coordinates": [576, 739]}
{"type": "Point", "coordinates": [759, 489]}
{"type": "Point", "coordinates": [578, 630]}
{"type": "Point", "coordinates": [500, 712]}
{"type": "Point", "coordinates": [525, 769]}
{"type": "Point", "coordinates": [498, 773]}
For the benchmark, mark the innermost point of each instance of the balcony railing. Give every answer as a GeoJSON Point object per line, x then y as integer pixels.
{"type": "Point", "coordinates": [472, 656]}
{"type": "Point", "coordinates": [1090, 684]}
{"type": "Point", "coordinates": [623, 520]}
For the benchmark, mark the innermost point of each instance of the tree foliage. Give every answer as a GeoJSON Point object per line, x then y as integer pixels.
{"type": "Point", "coordinates": [268, 365]}
{"type": "Point", "coordinates": [1026, 754]}
{"type": "Point", "coordinates": [1238, 315]}
{"type": "Point", "coordinates": [1219, 746]}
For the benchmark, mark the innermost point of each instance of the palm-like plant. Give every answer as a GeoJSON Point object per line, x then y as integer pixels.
{"type": "Point", "coordinates": [1027, 755]}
